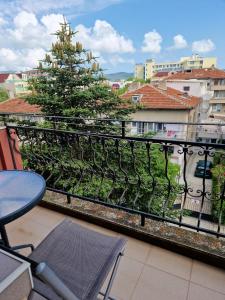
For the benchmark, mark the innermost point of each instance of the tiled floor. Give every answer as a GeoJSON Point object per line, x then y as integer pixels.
{"type": "Point", "coordinates": [146, 272]}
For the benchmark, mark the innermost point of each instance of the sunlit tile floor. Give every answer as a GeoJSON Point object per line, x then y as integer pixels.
{"type": "Point", "coordinates": [146, 271]}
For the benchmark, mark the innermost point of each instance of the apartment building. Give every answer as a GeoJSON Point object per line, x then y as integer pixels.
{"type": "Point", "coordinates": [197, 88]}
{"type": "Point", "coordinates": [139, 71]}
{"type": "Point", "coordinates": [213, 97]}
{"type": "Point", "coordinates": [150, 67]}
{"type": "Point", "coordinates": [14, 84]}
{"type": "Point", "coordinates": [160, 106]}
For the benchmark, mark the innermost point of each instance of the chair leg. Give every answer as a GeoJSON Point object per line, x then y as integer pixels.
{"type": "Point", "coordinates": [112, 277]}
{"type": "Point", "coordinates": [23, 247]}
{"type": "Point", "coordinates": [4, 237]}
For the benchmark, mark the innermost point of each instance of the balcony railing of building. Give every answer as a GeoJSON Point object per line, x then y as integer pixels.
{"type": "Point", "coordinates": [146, 176]}
{"type": "Point", "coordinates": [164, 130]}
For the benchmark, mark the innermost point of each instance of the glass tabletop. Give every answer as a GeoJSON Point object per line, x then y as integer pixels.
{"type": "Point", "coordinates": [20, 191]}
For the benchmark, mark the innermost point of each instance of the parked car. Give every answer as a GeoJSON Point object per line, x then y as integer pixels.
{"type": "Point", "coordinates": [199, 171]}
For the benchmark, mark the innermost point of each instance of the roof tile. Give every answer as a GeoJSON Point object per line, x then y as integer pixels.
{"type": "Point", "coordinates": [156, 98]}
{"type": "Point", "coordinates": [18, 106]}
{"type": "Point", "coordinates": [198, 74]}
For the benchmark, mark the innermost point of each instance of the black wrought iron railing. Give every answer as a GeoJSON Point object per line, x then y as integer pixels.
{"type": "Point", "coordinates": [213, 131]}
{"type": "Point", "coordinates": [177, 182]}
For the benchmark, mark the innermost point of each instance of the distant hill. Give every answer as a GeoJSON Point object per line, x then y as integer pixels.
{"type": "Point", "coordinates": [118, 76]}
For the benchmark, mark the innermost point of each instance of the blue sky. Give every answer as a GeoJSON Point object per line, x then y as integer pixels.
{"type": "Point", "coordinates": [120, 32]}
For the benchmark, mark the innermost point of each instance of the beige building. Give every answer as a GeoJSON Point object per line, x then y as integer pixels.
{"type": "Point", "coordinates": [215, 80]}
{"type": "Point", "coordinates": [160, 108]}
{"type": "Point", "coordinates": [186, 63]}
{"type": "Point", "coordinates": [139, 71]}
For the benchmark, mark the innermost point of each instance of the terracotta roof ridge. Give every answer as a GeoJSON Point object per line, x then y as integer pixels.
{"type": "Point", "coordinates": [7, 100]}
{"type": "Point", "coordinates": [133, 91]}
{"type": "Point", "coordinates": [175, 98]}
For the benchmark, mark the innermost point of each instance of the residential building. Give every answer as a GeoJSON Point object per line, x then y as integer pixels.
{"type": "Point", "coordinates": [197, 88]}
{"type": "Point", "coordinates": [214, 99]}
{"type": "Point", "coordinates": [162, 105]}
{"type": "Point", "coordinates": [31, 74]}
{"type": "Point", "coordinates": [217, 103]}
{"type": "Point", "coordinates": [139, 71]}
{"type": "Point", "coordinates": [211, 131]}
{"type": "Point", "coordinates": [150, 68]}
{"type": "Point", "coordinates": [159, 76]}
{"type": "Point", "coordinates": [21, 110]}
{"type": "Point", "coordinates": [15, 84]}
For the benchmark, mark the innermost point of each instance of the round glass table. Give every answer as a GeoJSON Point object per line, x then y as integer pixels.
{"type": "Point", "coordinates": [20, 191]}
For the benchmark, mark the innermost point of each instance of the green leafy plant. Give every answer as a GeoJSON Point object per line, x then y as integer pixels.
{"type": "Point", "coordinates": [3, 95]}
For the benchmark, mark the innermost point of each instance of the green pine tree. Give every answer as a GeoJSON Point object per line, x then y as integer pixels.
{"type": "Point", "coordinates": [73, 84]}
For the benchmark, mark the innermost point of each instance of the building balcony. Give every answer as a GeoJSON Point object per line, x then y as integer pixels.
{"type": "Point", "coordinates": [154, 191]}
{"type": "Point", "coordinates": [214, 87]}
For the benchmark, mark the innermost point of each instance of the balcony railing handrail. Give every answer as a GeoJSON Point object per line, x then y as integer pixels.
{"type": "Point", "coordinates": [53, 117]}
{"type": "Point", "coordinates": [127, 138]}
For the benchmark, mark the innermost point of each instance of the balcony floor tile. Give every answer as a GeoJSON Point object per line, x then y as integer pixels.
{"type": "Point", "coordinates": [170, 262]}
{"type": "Point", "coordinates": [197, 292]}
{"type": "Point", "coordinates": [156, 284]}
{"type": "Point", "coordinates": [146, 271]}
{"type": "Point", "coordinates": [208, 276]}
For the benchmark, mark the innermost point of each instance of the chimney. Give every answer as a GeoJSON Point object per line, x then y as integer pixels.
{"type": "Point", "coordinates": [134, 86]}
{"type": "Point", "coordinates": [162, 85]}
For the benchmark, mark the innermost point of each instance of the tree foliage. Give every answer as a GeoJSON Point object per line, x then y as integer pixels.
{"type": "Point", "coordinates": [72, 82]}
{"type": "Point", "coordinates": [3, 95]}
{"type": "Point", "coordinates": [125, 173]}
{"type": "Point", "coordinates": [218, 182]}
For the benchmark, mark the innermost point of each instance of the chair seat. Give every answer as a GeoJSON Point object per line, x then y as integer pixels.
{"type": "Point", "coordinates": [80, 257]}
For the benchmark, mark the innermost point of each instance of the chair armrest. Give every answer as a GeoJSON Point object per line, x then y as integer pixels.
{"type": "Point", "coordinates": [47, 275]}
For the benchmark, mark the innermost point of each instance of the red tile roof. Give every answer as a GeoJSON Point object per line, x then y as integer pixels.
{"type": "Point", "coordinates": [198, 74]}
{"type": "Point", "coordinates": [18, 106]}
{"type": "Point", "coordinates": [161, 74]}
{"type": "Point", "coordinates": [3, 77]}
{"type": "Point", "coordinates": [156, 98]}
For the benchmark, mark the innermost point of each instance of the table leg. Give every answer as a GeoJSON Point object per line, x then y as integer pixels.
{"type": "Point", "coordinates": [4, 236]}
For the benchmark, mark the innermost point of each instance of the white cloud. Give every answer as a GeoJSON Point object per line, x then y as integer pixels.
{"type": "Point", "coordinates": [24, 19]}
{"type": "Point", "coordinates": [2, 21]}
{"type": "Point", "coordinates": [152, 42]}
{"type": "Point", "coordinates": [28, 32]}
{"type": "Point", "coordinates": [203, 46]}
{"type": "Point", "coordinates": [52, 22]}
{"type": "Point", "coordinates": [7, 55]}
{"type": "Point", "coordinates": [26, 40]}
{"type": "Point", "coordinates": [20, 59]}
{"type": "Point", "coordinates": [179, 42]}
{"type": "Point", "coordinates": [102, 37]}
{"type": "Point", "coordinates": [117, 59]}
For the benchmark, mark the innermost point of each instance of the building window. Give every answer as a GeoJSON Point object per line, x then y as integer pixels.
{"type": "Point", "coordinates": [141, 128]}
{"type": "Point", "coordinates": [159, 126]}
{"type": "Point", "coordinates": [135, 98]}
{"type": "Point", "coordinates": [216, 107]}
{"type": "Point", "coordinates": [134, 124]}
{"type": "Point", "coordinates": [219, 94]}
{"type": "Point", "coordinates": [150, 126]}
{"type": "Point", "coordinates": [186, 88]}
